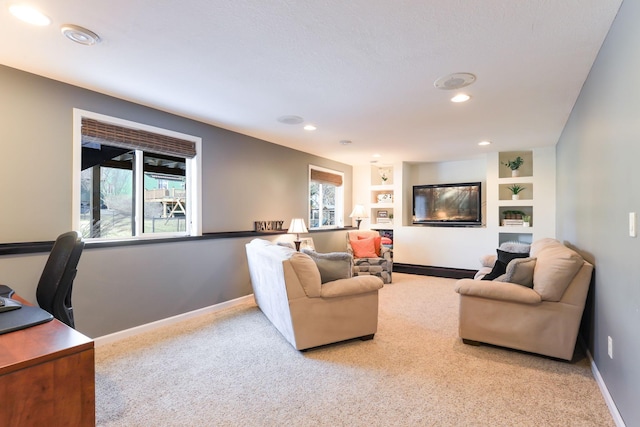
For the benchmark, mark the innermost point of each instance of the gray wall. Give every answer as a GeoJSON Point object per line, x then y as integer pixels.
{"type": "Point", "coordinates": [244, 180]}
{"type": "Point", "coordinates": [597, 157]}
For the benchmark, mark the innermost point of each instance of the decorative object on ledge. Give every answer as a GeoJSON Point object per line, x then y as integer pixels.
{"type": "Point", "coordinates": [296, 227]}
{"type": "Point", "coordinates": [515, 190]}
{"type": "Point", "coordinates": [382, 217]}
{"type": "Point", "coordinates": [385, 173]}
{"type": "Point", "coordinates": [514, 165]}
{"type": "Point", "coordinates": [385, 198]}
{"type": "Point", "coordinates": [266, 226]}
{"type": "Point", "coordinates": [358, 213]}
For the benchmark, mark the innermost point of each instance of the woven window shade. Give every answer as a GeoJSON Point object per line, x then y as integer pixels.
{"type": "Point", "coordinates": [326, 177]}
{"type": "Point", "coordinates": [95, 131]}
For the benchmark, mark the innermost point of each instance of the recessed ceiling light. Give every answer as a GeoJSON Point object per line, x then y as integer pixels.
{"type": "Point", "coordinates": [377, 156]}
{"type": "Point", "coordinates": [80, 35]}
{"type": "Point", "coordinates": [29, 14]}
{"type": "Point", "coordinates": [455, 81]}
{"type": "Point", "coordinates": [484, 143]}
{"type": "Point", "coordinates": [310, 127]}
{"type": "Point", "coordinates": [290, 120]}
{"type": "Point", "coordinates": [345, 142]}
{"type": "Point", "coordinates": [461, 97]}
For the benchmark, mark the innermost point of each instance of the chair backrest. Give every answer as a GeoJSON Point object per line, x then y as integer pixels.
{"type": "Point", "coordinates": [55, 285]}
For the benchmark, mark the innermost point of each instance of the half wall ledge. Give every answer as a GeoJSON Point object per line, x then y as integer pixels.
{"type": "Point", "coordinates": [38, 247]}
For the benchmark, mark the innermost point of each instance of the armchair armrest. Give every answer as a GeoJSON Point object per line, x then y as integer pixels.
{"type": "Point", "coordinates": [352, 286]}
{"type": "Point", "coordinates": [503, 291]}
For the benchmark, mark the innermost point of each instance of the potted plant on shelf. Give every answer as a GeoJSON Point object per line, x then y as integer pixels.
{"type": "Point", "coordinates": [516, 189]}
{"type": "Point", "coordinates": [526, 220]}
{"type": "Point", "coordinates": [384, 174]}
{"type": "Point", "coordinates": [514, 165]}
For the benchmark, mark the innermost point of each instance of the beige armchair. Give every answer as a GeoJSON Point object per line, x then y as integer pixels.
{"type": "Point", "coordinates": [288, 288]}
{"type": "Point", "coordinates": [544, 318]}
{"type": "Point", "coordinates": [377, 263]}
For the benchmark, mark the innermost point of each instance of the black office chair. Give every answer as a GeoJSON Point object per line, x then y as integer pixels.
{"type": "Point", "coordinates": [54, 288]}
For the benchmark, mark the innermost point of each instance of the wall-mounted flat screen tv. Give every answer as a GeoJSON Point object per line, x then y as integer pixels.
{"type": "Point", "coordinates": [455, 205]}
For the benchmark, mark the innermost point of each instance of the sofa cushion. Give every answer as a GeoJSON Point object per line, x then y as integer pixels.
{"type": "Point", "coordinates": [307, 272]}
{"type": "Point", "coordinates": [556, 266]}
{"type": "Point", "coordinates": [333, 265]}
{"type": "Point", "coordinates": [519, 271]}
{"type": "Point", "coordinates": [364, 248]}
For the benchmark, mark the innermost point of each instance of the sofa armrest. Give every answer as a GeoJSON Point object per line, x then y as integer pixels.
{"type": "Point", "coordinates": [503, 291]}
{"type": "Point", "coordinates": [352, 286]}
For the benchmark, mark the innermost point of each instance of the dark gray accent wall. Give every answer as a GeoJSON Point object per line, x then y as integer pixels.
{"type": "Point", "coordinates": [597, 164]}
{"type": "Point", "coordinates": [244, 179]}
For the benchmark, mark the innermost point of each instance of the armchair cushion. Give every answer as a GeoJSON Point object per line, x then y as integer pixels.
{"type": "Point", "coordinates": [556, 266]}
{"type": "Point", "coordinates": [332, 265]}
{"type": "Point", "coordinates": [519, 271]}
{"type": "Point", "coordinates": [364, 248]}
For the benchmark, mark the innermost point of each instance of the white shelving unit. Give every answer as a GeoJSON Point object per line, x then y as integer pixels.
{"type": "Point", "coordinates": [532, 200]}
{"type": "Point", "coordinates": [381, 198]}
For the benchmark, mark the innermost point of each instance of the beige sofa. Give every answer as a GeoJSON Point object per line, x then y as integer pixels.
{"type": "Point", "coordinates": [288, 288]}
{"type": "Point", "coordinates": [543, 319]}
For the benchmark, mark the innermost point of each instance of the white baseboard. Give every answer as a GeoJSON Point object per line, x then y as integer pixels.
{"type": "Point", "coordinates": [117, 336]}
{"type": "Point", "coordinates": [605, 393]}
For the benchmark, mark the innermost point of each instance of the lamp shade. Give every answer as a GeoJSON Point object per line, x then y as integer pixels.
{"type": "Point", "coordinates": [297, 226]}
{"type": "Point", "coordinates": [358, 212]}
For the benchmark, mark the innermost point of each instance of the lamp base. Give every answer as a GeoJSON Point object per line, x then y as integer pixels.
{"type": "Point", "coordinates": [297, 243]}
{"type": "Point", "coordinates": [358, 221]}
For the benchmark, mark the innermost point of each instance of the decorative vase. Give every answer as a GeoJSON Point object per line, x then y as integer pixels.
{"type": "Point", "coordinates": [515, 197]}
{"type": "Point", "coordinates": [525, 224]}
{"type": "Point", "coordinates": [515, 173]}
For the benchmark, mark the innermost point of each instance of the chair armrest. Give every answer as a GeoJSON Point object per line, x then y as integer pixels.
{"type": "Point", "coordinates": [386, 253]}
{"type": "Point", "coordinates": [352, 286]}
{"type": "Point", "coordinates": [503, 291]}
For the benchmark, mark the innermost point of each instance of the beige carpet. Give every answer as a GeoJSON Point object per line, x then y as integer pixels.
{"type": "Point", "coordinates": [233, 368]}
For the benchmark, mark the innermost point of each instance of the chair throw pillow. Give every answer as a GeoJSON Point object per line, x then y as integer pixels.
{"type": "Point", "coordinates": [503, 259]}
{"type": "Point", "coordinates": [519, 271]}
{"type": "Point", "coordinates": [332, 265]}
{"type": "Point", "coordinates": [364, 248]}
{"type": "Point", "coordinates": [377, 242]}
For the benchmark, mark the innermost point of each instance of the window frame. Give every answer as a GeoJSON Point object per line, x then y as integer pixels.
{"type": "Point", "coordinates": [339, 206]}
{"type": "Point", "coordinates": [193, 178]}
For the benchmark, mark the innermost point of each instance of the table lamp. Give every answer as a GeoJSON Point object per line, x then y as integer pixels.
{"type": "Point", "coordinates": [296, 227]}
{"type": "Point", "coordinates": [358, 213]}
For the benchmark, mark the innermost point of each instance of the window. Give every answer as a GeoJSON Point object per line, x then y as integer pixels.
{"type": "Point", "coordinates": [133, 180]}
{"type": "Point", "coordinates": [326, 198]}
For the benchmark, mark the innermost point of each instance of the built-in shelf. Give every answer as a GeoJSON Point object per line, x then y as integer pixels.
{"type": "Point", "coordinates": [524, 205]}
{"type": "Point", "coordinates": [381, 198]}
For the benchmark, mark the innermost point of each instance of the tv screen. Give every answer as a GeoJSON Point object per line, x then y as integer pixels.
{"type": "Point", "coordinates": [448, 204]}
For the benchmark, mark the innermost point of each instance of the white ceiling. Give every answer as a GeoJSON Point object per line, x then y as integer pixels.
{"type": "Point", "coordinates": [360, 70]}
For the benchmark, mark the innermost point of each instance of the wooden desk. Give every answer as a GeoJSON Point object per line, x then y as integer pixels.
{"type": "Point", "coordinates": [47, 376]}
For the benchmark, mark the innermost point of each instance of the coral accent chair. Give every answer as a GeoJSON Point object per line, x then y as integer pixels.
{"type": "Point", "coordinates": [370, 257]}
